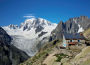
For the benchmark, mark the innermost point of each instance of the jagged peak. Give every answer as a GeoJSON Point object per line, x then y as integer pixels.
{"type": "Point", "coordinates": [13, 25]}
{"type": "Point", "coordinates": [80, 17]}
{"type": "Point", "coordinates": [61, 22]}
{"type": "Point", "coordinates": [34, 22]}
{"type": "Point", "coordinates": [31, 20]}
{"type": "Point", "coordinates": [84, 17]}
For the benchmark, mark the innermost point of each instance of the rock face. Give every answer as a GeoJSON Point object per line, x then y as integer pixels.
{"type": "Point", "coordinates": [10, 55]}
{"type": "Point", "coordinates": [73, 25]}
{"type": "Point", "coordinates": [38, 29]}
{"type": "Point", "coordinates": [41, 34]}
{"type": "Point", "coordinates": [4, 37]}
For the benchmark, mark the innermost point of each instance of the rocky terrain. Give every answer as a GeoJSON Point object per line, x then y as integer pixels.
{"type": "Point", "coordinates": [9, 54]}
{"type": "Point", "coordinates": [73, 25]}
{"type": "Point", "coordinates": [37, 31]}
{"type": "Point", "coordinates": [47, 50]}
{"type": "Point", "coordinates": [34, 41]}
{"type": "Point", "coordinates": [51, 54]}
{"type": "Point", "coordinates": [87, 34]}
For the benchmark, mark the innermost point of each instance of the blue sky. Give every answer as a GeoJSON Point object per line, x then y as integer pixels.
{"type": "Point", "coordinates": [15, 11]}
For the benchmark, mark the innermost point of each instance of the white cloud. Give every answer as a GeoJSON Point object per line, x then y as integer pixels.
{"type": "Point", "coordinates": [29, 16]}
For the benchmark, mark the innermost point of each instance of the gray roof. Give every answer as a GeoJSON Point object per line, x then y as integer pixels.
{"type": "Point", "coordinates": [73, 36]}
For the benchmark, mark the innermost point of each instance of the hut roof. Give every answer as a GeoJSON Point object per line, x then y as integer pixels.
{"type": "Point", "coordinates": [73, 36]}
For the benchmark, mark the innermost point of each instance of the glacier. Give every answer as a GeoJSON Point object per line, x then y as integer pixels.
{"type": "Point", "coordinates": [26, 36]}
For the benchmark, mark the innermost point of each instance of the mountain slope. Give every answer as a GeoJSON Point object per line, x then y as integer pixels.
{"type": "Point", "coordinates": [87, 34]}
{"type": "Point", "coordinates": [51, 54]}
{"type": "Point", "coordinates": [9, 54]}
{"type": "Point", "coordinates": [47, 50]}
{"type": "Point", "coordinates": [31, 34]}
{"type": "Point", "coordinates": [83, 58]}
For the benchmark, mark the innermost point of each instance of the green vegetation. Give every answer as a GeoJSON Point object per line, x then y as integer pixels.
{"type": "Point", "coordinates": [60, 56]}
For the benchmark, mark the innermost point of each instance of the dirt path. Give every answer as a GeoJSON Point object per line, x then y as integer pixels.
{"type": "Point", "coordinates": [50, 59]}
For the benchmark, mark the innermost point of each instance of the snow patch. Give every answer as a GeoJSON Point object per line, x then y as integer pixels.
{"type": "Point", "coordinates": [80, 29]}
{"type": "Point", "coordinates": [75, 21]}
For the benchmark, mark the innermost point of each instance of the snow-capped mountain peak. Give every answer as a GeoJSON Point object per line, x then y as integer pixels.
{"type": "Point", "coordinates": [34, 23]}
{"type": "Point", "coordinates": [11, 26]}
{"type": "Point", "coordinates": [31, 20]}
{"type": "Point", "coordinates": [30, 33]}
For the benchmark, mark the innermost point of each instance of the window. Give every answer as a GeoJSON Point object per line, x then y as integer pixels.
{"type": "Point", "coordinates": [70, 40]}
{"type": "Point", "coordinates": [78, 40]}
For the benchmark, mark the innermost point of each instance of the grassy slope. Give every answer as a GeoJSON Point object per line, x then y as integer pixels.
{"type": "Point", "coordinates": [83, 58]}
{"type": "Point", "coordinates": [87, 34]}
{"type": "Point", "coordinates": [42, 54]}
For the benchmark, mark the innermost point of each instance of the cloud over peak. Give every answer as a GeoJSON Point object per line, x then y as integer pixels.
{"type": "Point", "coordinates": [29, 16]}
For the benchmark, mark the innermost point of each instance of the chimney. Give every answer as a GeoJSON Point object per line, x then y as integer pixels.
{"type": "Point", "coordinates": [81, 34]}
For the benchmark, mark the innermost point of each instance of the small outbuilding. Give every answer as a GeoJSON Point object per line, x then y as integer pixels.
{"type": "Point", "coordinates": [73, 39]}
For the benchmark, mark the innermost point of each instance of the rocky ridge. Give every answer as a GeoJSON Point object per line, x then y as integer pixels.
{"type": "Point", "coordinates": [9, 54]}
{"type": "Point", "coordinates": [73, 25]}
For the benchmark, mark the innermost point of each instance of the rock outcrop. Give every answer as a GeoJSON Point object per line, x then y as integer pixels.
{"type": "Point", "coordinates": [10, 55]}
{"type": "Point", "coordinates": [73, 25]}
